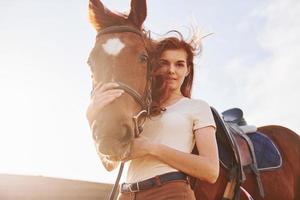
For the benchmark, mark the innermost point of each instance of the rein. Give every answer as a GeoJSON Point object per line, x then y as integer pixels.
{"type": "Point", "coordinates": [143, 100]}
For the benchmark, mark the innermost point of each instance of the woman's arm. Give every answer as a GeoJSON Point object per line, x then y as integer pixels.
{"type": "Point", "coordinates": [204, 166]}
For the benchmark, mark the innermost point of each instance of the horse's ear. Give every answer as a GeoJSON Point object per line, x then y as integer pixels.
{"type": "Point", "coordinates": [138, 12]}
{"type": "Point", "coordinates": [101, 17]}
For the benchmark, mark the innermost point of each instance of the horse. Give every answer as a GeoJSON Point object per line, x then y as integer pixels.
{"type": "Point", "coordinates": [123, 53]}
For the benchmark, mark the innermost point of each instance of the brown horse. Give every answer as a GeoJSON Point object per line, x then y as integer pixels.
{"type": "Point", "coordinates": [278, 184]}
{"type": "Point", "coordinates": [121, 53]}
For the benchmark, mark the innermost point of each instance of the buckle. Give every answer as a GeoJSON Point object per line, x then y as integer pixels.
{"type": "Point", "coordinates": [134, 190]}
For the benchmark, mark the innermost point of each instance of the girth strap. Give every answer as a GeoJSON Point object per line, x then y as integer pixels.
{"type": "Point", "coordinates": [254, 164]}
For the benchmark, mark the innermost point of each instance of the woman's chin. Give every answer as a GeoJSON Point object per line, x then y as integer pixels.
{"type": "Point", "coordinates": [172, 86]}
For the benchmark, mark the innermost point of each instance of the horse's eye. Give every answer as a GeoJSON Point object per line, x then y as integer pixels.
{"type": "Point", "coordinates": [143, 58]}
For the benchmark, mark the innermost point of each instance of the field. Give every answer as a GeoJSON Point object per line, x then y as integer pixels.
{"type": "Point", "coordinates": [19, 187]}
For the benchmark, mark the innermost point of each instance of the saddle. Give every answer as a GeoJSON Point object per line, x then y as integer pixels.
{"type": "Point", "coordinates": [237, 127]}
{"type": "Point", "coordinates": [239, 147]}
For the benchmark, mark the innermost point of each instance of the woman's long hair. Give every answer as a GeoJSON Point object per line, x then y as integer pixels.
{"type": "Point", "coordinates": [160, 90]}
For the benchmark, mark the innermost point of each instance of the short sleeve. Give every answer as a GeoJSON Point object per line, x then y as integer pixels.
{"type": "Point", "coordinates": [202, 115]}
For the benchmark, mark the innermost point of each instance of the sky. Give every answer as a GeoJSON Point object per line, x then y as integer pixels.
{"type": "Point", "coordinates": [250, 61]}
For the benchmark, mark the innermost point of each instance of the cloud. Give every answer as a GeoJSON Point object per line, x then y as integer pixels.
{"type": "Point", "coordinates": [265, 86]}
{"type": "Point", "coordinates": [275, 86]}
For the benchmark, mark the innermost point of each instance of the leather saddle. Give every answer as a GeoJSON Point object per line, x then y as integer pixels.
{"type": "Point", "coordinates": [254, 147]}
{"type": "Point", "coordinates": [236, 149]}
{"type": "Point", "coordinates": [239, 146]}
{"type": "Point", "coordinates": [237, 127]}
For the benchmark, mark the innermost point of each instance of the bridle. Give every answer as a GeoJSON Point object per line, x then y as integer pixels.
{"type": "Point", "coordinates": [143, 100]}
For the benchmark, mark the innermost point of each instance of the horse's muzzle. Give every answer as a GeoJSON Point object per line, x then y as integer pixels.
{"type": "Point", "coordinates": [113, 142]}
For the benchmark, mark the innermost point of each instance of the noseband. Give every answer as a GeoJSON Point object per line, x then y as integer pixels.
{"type": "Point", "coordinates": [143, 100]}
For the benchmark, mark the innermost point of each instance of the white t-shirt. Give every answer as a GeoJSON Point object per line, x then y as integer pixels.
{"type": "Point", "coordinates": [174, 128]}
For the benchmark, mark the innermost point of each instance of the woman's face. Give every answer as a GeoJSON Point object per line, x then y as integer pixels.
{"type": "Point", "coordinates": [174, 64]}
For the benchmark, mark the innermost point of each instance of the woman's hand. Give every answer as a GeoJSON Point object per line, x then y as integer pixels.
{"type": "Point", "coordinates": [102, 95]}
{"type": "Point", "coordinates": [141, 146]}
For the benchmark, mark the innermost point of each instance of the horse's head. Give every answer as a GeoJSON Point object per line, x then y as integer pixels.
{"type": "Point", "coordinates": [121, 55]}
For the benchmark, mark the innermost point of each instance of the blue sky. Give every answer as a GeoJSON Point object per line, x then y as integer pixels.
{"type": "Point", "coordinates": [251, 61]}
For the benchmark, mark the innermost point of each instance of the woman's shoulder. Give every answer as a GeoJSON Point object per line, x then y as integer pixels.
{"type": "Point", "coordinates": [198, 102]}
{"type": "Point", "coordinates": [199, 109]}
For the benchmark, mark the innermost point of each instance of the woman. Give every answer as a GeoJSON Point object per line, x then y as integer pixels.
{"type": "Point", "coordinates": [161, 157]}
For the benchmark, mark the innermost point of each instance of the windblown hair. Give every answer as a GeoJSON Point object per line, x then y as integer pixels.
{"type": "Point", "coordinates": [160, 90]}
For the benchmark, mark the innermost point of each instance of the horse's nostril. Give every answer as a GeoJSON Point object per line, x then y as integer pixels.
{"type": "Point", "coordinates": [127, 135]}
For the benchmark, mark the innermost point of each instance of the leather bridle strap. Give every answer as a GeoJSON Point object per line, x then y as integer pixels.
{"type": "Point", "coordinates": [137, 97]}
{"type": "Point", "coordinates": [119, 29]}
{"type": "Point", "coordinates": [114, 189]}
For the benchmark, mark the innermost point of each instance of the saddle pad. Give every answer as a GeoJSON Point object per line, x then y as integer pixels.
{"type": "Point", "coordinates": [267, 155]}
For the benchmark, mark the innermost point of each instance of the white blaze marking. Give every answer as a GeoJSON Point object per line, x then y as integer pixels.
{"type": "Point", "coordinates": [113, 46]}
